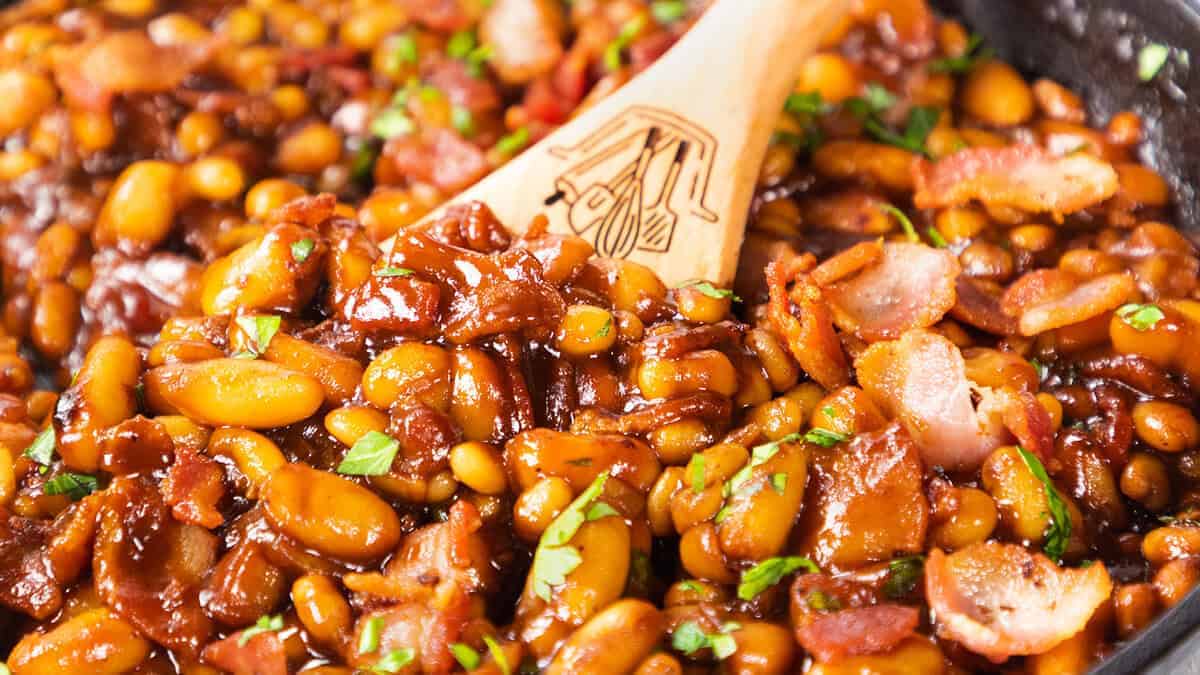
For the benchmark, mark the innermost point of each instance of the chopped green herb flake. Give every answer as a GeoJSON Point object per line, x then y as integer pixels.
{"type": "Point", "coordinates": [972, 55]}
{"type": "Point", "coordinates": [467, 658]}
{"type": "Point", "coordinates": [936, 237]}
{"type": "Point", "coordinates": [554, 560]}
{"type": "Point", "coordinates": [302, 249]}
{"type": "Point", "coordinates": [878, 98]}
{"type": "Point", "coordinates": [711, 291]}
{"type": "Point", "coordinates": [1040, 368]}
{"type": "Point", "coordinates": [265, 624]}
{"type": "Point", "coordinates": [394, 661]}
{"type": "Point", "coordinates": [770, 572]}
{"type": "Point", "coordinates": [604, 330]}
{"type": "Point", "coordinates": [460, 44]}
{"type": "Point", "coordinates": [910, 231]}
{"type": "Point", "coordinates": [1141, 317]}
{"type": "Point", "coordinates": [368, 641]}
{"type": "Point", "coordinates": [921, 121]}
{"type": "Point", "coordinates": [463, 121]}
{"type": "Point", "coordinates": [613, 51]}
{"type": "Point", "coordinates": [723, 646]}
{"type": "Point", "coordinates": [391, 123]}
{"type": "Point", "coordinates": [41, 450]}
{"type": "Point", "coordinates": [691, 586]}
{"type": "Point", "coordinates": [259, 329]}
{"type": "Point", "coordinates": [779, 482]}
{"type": "Point", "coordinates": [74, 485]}
{"type": "Point", "coordinates": [1151, 59]}
{"type": "Point", "coordinates": [807, 103]}
{"type": "Point", "coordinates": [695, 472]}
{"type": "Point", "coordinates": [601, 510]}
{"type": "Point", "coordinates": [371, 455]}
{"type": "Point", "coordinates": [721, 515]}
{"type": "Point", "coordinates": [822, 601]}
{"type": "Point", "coordinates": [497, 654]}
{"type": "Point", "coordinates": [690, 638]}
{"type": "Point", "coordinates": [903, 576]}
{"type": "Point", "coordinates": [393, 272]}
{"type": "Point", "coordinates": [1058, 528]}
{"type": "Point", "coordinates": [362, 169]}
{"type": "Point", "coordinates": [825, 437]}
{"type": "Point", "coordinates": [406, 48]}
{"type": "Point", "coordinates": [668, 11]}
{"type": "Point", "coordinates": [514, 142]}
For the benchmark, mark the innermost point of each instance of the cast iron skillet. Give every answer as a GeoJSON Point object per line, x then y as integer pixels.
{"type": "Point", "coordinates": [1091, 46]}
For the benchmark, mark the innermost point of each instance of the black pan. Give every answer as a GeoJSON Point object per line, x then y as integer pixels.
{"type": "Point", "coordinates": [1091, 46]}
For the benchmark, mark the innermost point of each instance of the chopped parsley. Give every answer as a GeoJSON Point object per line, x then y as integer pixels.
{"type": "Point", "coordinates": [759, 455]}
{"type": "Point", "coordinates": [910, 231]}
{"type": "Point", "coordinates": [394, 661]}
{"type": "Point", "coordinates": [695, 472]}
{"type": "Point", "coordinates": [1040, 368]}
{"type": "Point", "coordinates": [1151, 59]}
{"type": "Point", "coordinates": [497, 655]}
{"type": "Point", "coordinates": [74, 485]}
{"type": "Point", "coordinates": [711, 291]}
{"type": "Point", "coordinates": [463, 121]}
{"type": "Point", "coordinates": [514, 142]}
{"type": "Point", "coordinates": [554, 559]}
{"type": "Point", "coordinates": [770, 572]}
{"type": "Point", "coordinates": [877, 99]}
{"type": "Point", "coordinates": [972, 55]}
{"type": "Point", "coordinates": [668, 11]}
{"type": "Point", "coordinates": [369, 640]}
{"type": "Point", "coordinates": [371, 455]}
{"type": "Point", "coordinates": [460, 44]}
{"type": "Point", "coordinates": [391, 123]}
{"type": "Point", "coordinates": [259, 330]}
{"type": "Point", "coordinates": [936, 237]}
{"type": "Point", "coordinates": [41, 450]}
{"type": "Point", "coordinates": [405, 49]}
{"type": "Point", "coordinates": [1141, 317]}
{"type": "Point", "coordinates": [690, 638]}
{"type": "Point", "coordinates": [600, 510]}
{"type": "Point", "coordinates": [604, 330]}
{"type": "Point", "coordinates": [302, 249]}
{"type": "Point", "coordinates": [1058, 529]}
{"type": "Point", "coordinates": [822, 602]}
{"type": "Point", "coordinates": [393, 272]}
{"type": "Point", "coordinates": [467, 657]}
{"type": "Point", "coordinates": [903, 575]}
{"type": "Point", "coordinates": [265, 624]}
{"type": "Point", "coordinates": [825, 438]}
{"type": "Point", "coordinates": [807, 103]}
{"type": "Point", "coordinates": [691, 586]}
{"type": "Point", "coordinates": [362, 168]}
{"type": "Point", "coordinates": [613, 59]}
{"type": "Point", "coordinates": [779, 482]}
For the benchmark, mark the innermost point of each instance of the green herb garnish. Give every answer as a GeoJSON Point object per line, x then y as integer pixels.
{"type": "Point", "coordinates": [302, 249]}
{"type": "Point", "coordinates": [695, 472]}
{"type": "Point", "coordinates": [391, 123]}
{"type": "Point", "coordinates": [463, 121]}
{"type": "Point", "coordinates": [668, 11]}
{"type": "Point", "coordinates": [825, 437]}
{"type": "Point", "coordinates": [903, 575]}
{"type": "Point", "coordinates": [689, 638]}
{"type": "Point", "coordinates": [514, 142]}
{"type": "Point", "coordinates": [467, 658]}
{"type": "Point", "coordinates": [822, 601]}
{"type": "Point", "coordinates": [497, 654]}
{"type": "Point", "coordinates": [1151, 59]}
{"type": "Point", "coordinates": [706, 288]}
{"type": "Point", "coordinates": [74, 485]}
{"type": "Point", "coordinates": [604, 330]}
{"type": "Point", "coordinates": [1141, 317]}
{"type": "Point", "coordinates": [368, 641]}
{"type": "Point", "coordinates": [910, 231]}
{"type": "Point", "coordinates": [371, 455]}
{"type": "Point", "coordinates": [41, 450]}
{"type": "Point", "coordinates": [393, 272]}
{"type": "Point", "coordinates": [394, 661]}
{"type": "Point", "coordinates": [260, 329]}
{"type": "Point", "coordinates": [769, 572]}
{"type": "Point", "coordinates": [1058, 529]}
{"type": "Point", "coordinates": [972, 55]}
{"type": "Point", "coordinates": [936, 237]}
{"type": "Point", "coordinates": [779, 482]}
{"type": "Point", "coordinates": [265, 624]}
{"type": "Point", "coordinates": [613, 51]}
{"type": "Point", "coordinates": [806, 103]}
{"type": "Point", "coordinates": [554, 559]}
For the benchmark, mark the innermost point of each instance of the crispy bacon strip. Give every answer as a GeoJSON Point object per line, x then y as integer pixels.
{"type": "Point", "coordinates": [1090, 300]}
{"type": "Point", "coordinates": [1000, 600]}
{"type": "Point", "coordinates": [1024, 177]}
{"type": "Point", "coordinates": [811, 338]}
{"type": "Point", "coordinates": [921, 379]}
{"type": "Point", "coordinates": [911, 286]}
{"type": "Point", "coordinates": [263, 654]}
{"type": "Point", "coordinates": [92, 73]}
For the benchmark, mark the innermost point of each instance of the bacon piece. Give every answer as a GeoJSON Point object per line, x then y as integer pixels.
{"type": "Point", "coordinates": [921, 379]}
{"type": "Point", "coordinates": [124, 62]}
{"type": "Point", "coordinates": [847, 262]}
{"type": "Point", "coordinates": [192, 488]}
{"type": "Point", "coordinates": [912, 286]}
{"type": "Point", "coordinates": [1090, 300]}
{"type": "Point", "coordinates": [441, 15]}
{"type": "Point", "coordinates": [451, 77]}
{"type": "Point", "coordinates": [526, 38]}
{"type": "Point", "coordinates": [836, 617]}
{"type": "Point", "coordinates": [263, 654]}
{"type": "Point", "coordinates": [439, 156]}
{"type": "Point", "coordinates": [1000, 600]}
{"type": "Point", "coordinates": [980, 308]}
{"type": "Point", "coordinates": [1024, 177]}
{"type": "Point", "coordinates": [811, 338]}
{"type": "Point", "coordinates": [1034, 288]}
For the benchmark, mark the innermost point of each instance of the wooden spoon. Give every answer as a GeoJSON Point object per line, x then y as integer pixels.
{"type": "Point", "coordinates": [662, 171]}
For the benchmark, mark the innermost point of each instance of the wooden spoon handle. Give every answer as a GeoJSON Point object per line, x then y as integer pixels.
{"type": "Point", "coordinates": [662, 172]}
